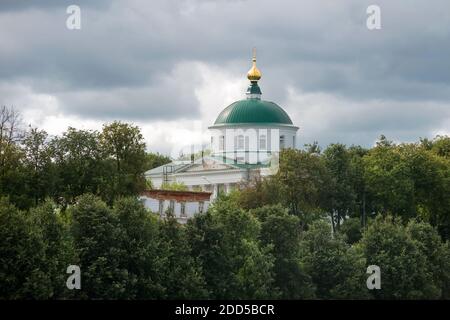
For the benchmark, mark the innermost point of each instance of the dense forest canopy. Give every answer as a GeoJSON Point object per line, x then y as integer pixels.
{"type": "Point", "coordinates": [309, 231]}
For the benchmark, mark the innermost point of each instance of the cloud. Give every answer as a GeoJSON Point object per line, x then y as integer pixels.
{"type": "Point", "coordinates": [350, 122]}
{"type": "Point", "coordinates": [166, 63]}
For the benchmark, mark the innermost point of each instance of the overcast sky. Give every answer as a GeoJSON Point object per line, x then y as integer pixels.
{"type": "Point", "coordinates": [172, 66]}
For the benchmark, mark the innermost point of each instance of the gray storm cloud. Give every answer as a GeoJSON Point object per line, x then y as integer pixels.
{"type": "Point", "coordinates": [133, 60]}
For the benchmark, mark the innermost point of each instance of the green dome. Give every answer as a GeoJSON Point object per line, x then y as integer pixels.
{"type": "Point", "coordinates": [253, 111]}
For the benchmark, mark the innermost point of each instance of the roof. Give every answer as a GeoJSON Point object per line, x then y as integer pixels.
{"type": "Point", "coordinates": [173, 167]}
{"type": "Point", "coordinates": [253, 111]}
{"type": "Point", "coordinates": [176, 167]}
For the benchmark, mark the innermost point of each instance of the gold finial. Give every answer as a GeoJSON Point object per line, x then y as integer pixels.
{"type": "Point", "coordinates": [254, 74]}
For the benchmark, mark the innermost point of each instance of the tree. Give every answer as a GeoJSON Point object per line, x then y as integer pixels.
{"type": "Point", "coordinates": [97, 241]}
{"type": "Point", "coordinates": [343, 196]}
{"type": "Point", "coordinates": [441, 146]}
{"type": "Point", "coordinates": [12, 176]}
{"type": "Point", "coordinates": [357, 170]}
{"type": "Point", "coordinates": [304, 182]}
{"type": "Point", "coordinates": [234, 263]}
{"type": "Point", "coordinates": [257, 192]}
{"type": "Point", "coordinates": [144, 257]}
{"type": "Point", "coordinates": [79, 163]}
{"type": "Point", "coordinates": [313, 148]}
{"type": "Point", "coordinates": [38, 165]}
{"type": "Point", "coordinates": [59, 252]}
{"type": "Point", "coordinates": [352, 230]}
{"type": "Point", "coordinates": [23, 263]}
{"type": "Point", "coordinates": [388, 180]}
{"type": "Point", "coordinates": [124, 149]}
{"type": "Point", "coordinates": [431, 176]}
{"type": "Point", "coordinates": [282, 231]}
{"type": "Point", "coordinates": [154, 160]}
{"type": "Point", "coordinates": [182, 273]}
{"type": "Point", "coordinates": [337, 270]}
{"type": "Point", "coordinates": [437, 253]}
{"type": "Point", "coordinates": [409, 180]}
{"type": "Point", "coordinates": [405, 270]}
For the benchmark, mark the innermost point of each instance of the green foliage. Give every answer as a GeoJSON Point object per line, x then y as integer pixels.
{"type": "Point", "coordinates": [342, 192]}
{"type": "Point", "coordinates": [409, 181]}
{"type": "Point", "coordinates": [124, 149]}
{"type": "Point", "coordinates": [13, 176]}
{"type": "Point", "coordinates": [302, 184]}
{"type": "Point", "coordinates": [154, 160]}
{"type": "Point", "coordinates": [272, 238]}
{"type": "Point", "coordinates": [257, 193]}
{"type": "Point", "coordinates": [388, 179]}
{"type": "Point", "coordinates": [80, 168]}
{"type": "Point", "coordinates": [96, 233]}
{"type": "Point", "coordinates": [181, 274]}
{"type": "Point", "coordinates": [31, 264]}
{"type": "Point", "coordinates": [126, 252]}
{"type": "Point", "coordinates": [143, 257]}
{"type": "Point", "coordinates": [304, 181]}
{"type": "Point", "coordinates": [436, 252]}
{"type": "Point", "coordinates": [282, 231]}
{"type": "Point", "coordinates": [441, 146]}
{"type": "Point", "coordinates": [109, 164]}
{"type": "Point", "coordinates": [235, 265]}
{"type": "Point", "coordinates": [406, 273]}
{"type": "Point", "coordinates": [59, 251]}
{"type": "Point", "coordinates": [337, 270]}
{"type": "Point", "coordinates": [37, 165]}
{"type": "Point", "coordinates": [174, 186]}
{"type": "Point", "coordinates": [352, 230]}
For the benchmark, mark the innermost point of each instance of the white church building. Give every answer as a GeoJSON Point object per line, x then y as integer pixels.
{"type": "Point", "coordinates": [245, 141]}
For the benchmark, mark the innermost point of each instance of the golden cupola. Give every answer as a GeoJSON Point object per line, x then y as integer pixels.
{"type": "Point", "coordinates": [254, 74]}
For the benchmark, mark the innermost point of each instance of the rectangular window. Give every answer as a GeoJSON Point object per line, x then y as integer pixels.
{"type": "Point", "coordinates": [221, 143]}
{"type": "Point", "coordinates": [262, 142]}
{"type": "Point", "coordinates": [183, 209]}
{"type": "Point", "coordinates": [172, 206]}
{"type": "Point", "coordinates": [240, 142]}
{"type": "Point", "coordinates": [201, 206]}
{"type": "Point", "coordinates": [281, 142]}
{"type": "Point", "coordinates": [161, 207]}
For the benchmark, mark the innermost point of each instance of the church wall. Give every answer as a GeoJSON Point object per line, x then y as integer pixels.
{"type": "Point", "coordinates": [191, 207]}
{"type": "Point", "coordinates": [230, 133]}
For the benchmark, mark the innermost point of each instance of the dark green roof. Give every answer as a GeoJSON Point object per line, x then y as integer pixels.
{"type": "Point", "coordinates": [253, 111]}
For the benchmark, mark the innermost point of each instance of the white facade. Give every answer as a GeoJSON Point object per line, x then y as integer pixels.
{"type": "Point", "coordinates": [181, 210]}
{"type": "Point", "coordinates": [204, 174]}
{"type": "Point", "coordinates": [251, 144]}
